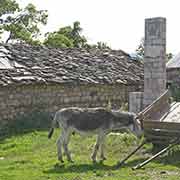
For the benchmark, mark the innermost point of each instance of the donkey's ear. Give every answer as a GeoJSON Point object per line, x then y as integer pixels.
{"type": "Point", "coordinates": [136, 118]}
{"type": "Point", "coordinates": [109, 106]}
{"type": "Point", "coordinates": [139, 121]}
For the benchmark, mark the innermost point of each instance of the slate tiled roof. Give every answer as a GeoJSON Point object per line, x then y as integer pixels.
{"type": "Point", "coordinates": [25, 64]}
{"type": "Point", "coordinates": [174, 62]}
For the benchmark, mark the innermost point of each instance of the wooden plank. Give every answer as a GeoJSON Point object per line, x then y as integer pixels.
{"type": "Point", "coordinates": [166, 93]}
{"type": "Point", "coordinates": [162, 132]}
{"type": "Point", "coordinates": [166, 138]}
{"type": "Point", "coordinates": [160, 136]}
{"type": "Point", "coordinates": [161, 125]}
{"type": "Point", "coordinates": [157, 154]}
{"type": "Point", "coordinates": [160, 141]}
{"type": "Point", "coordinates": [157, 105]}
{"type": "Point", "coordinates": [173, 106]}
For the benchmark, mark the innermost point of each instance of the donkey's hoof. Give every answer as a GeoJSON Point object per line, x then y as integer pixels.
{"type": "Point", "coordinates": [70, 160]}
{"type": "Point", "coordinates": [61, 160]}
{"type": "Point", "coordinates": [94, 161]}
{"type": "Point", "coordinates": [103, 158]}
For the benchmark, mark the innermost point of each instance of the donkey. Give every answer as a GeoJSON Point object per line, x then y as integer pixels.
{"type": "Point", "coordinates": [91, 120]}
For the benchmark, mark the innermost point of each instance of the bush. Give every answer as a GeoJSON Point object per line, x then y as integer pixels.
{"type": "Point", "coordinates": [26, 123]}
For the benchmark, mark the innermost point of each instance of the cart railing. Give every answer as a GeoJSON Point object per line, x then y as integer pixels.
{"type": "Point", "coordinates": [156, 109]}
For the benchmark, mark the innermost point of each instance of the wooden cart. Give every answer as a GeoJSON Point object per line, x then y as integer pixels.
{"type": "Point", "coordinates": [161, 120]}
{"type": "Point", "coordinates": [161, 125]}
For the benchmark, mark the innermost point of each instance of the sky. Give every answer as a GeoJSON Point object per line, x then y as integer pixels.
{"type": "Point", "coordinates": [119, 23]}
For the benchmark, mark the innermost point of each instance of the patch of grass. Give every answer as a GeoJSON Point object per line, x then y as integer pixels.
{"type": "Point", "coordinates": [31, 156]}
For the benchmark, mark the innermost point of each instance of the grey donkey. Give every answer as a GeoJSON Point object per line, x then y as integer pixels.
{"type": "Point", "coordinates": [98, 121]}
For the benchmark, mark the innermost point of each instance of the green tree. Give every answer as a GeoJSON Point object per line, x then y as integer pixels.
{"type": "Point", "coordinates": [78, 39]}
{"type": "Point", "coordinates": [169, 56]}
{"type": "Point", "coordinates": [56, 39]}
{"type": "Point", "coordinates": [22, 24]}
{"type": "Point", "coordinates": [66, 37]}
{"type": "Point", "coordinates": [7, 7]}
{"type": "Point", "coordinates": [102, 45]}
{"type": "Point", "coordinates": [71, 36]}
{"type": "Point", "coordinates": [140, 49]}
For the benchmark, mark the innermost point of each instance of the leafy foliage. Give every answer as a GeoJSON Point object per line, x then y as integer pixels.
{"type": "Point", "coordinates": [102, 45]}
{"type": "Point", "coordinates": [75, 35]}
{"type": "Point", "coordinates": [21, 24]}
{"type": "Point", "coordinates": [140, 48]}
{"type": "Point", "coordinates": [169, 56]}
{"type": "Point", "coordinates": [66, 37]}
{"type": "Point", "coordinates": [71, 36]}
{"type": "Point", "coordinates": [7, 7]}
{"type": "Point", "coordinates": [58, 40]}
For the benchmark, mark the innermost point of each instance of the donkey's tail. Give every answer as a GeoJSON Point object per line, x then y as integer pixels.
{"type": "Point", "coordinates": [50, 132]}
{"type": "Point", "coordinates": [53, 125]}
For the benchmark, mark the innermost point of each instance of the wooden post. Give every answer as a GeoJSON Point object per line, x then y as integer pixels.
{"type": "Point", "coordinates": [119, 164]}
{"type": "Point", "coordinates": [156, 155]}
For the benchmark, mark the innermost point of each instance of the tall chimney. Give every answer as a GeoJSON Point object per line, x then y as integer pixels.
{"type": "Point", "coordinates": [154, 59]}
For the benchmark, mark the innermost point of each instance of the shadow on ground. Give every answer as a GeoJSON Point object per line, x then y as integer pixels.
{"type": "Point", "coordinates": [172, 159]}
{"type": "Point", "coordinates": [78, 168]}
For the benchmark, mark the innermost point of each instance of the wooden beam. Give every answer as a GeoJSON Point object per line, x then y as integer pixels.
{"type": "Point", "coordinates": [148, 124]}
{"type": "Point", "coordinates": [162, 132]}
{"type": "Point", "coordinates": [156, 105]}
{"type": "Point", "coordinates": [176, 141]}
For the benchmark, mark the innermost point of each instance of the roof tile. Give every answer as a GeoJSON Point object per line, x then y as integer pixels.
{"type": "Point", "coordinates": [25, 64]}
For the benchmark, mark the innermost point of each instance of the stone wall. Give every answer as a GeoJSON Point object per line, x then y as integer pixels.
{"type": "Point", "coordinates": [16, 101]}
{"type": "Point", "coordinates": [135, 101]}
{"type": "Point", "coordinates": [173, 76]}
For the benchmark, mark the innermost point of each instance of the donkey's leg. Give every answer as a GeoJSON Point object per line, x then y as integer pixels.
{"type": "Point", "coordinates": [96, 147]}
{"type": "Point", "coordinates": [59, 145]}
{"type": "Point", "coordinates": [102, 146]}
{"type": "Point", "coordinates": [65, 144]}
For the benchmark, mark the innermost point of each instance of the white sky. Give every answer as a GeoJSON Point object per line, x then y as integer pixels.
{"type": "Point", "coordinates": [120, 23]}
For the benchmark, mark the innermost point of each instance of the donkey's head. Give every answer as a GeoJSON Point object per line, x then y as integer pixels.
{"type": "Point", "coordinates": [136, 126]}
{"type": "Point", "coordinates": [127, 120]}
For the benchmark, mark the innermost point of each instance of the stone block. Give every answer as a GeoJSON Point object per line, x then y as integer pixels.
{"type": "Point", "coordinates": [135, 101]}
{"type": "Point", "coordinates": [155, 29]}
{"type": "Point", "coordinates": [154, 51]}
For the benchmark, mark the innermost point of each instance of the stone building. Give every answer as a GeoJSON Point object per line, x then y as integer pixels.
{"type": "Point", "coordinates": [46, 79]}
{"type": "Point", "coordinates": [173, 70]}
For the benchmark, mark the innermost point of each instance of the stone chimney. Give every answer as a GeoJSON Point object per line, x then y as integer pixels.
{"type": "Point", "coordinates": [154, 59]}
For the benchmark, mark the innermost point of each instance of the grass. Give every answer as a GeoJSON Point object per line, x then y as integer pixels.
{"type": "Point", "coordinates": [31, 156]}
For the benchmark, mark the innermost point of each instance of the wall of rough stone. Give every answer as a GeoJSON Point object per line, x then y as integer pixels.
{"type": "Point", "coordinates": [173, 76]}
{"type": "Point", "coordinates": [135, 101]}
{"type": "Point", "coordinates": [20, 100]}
